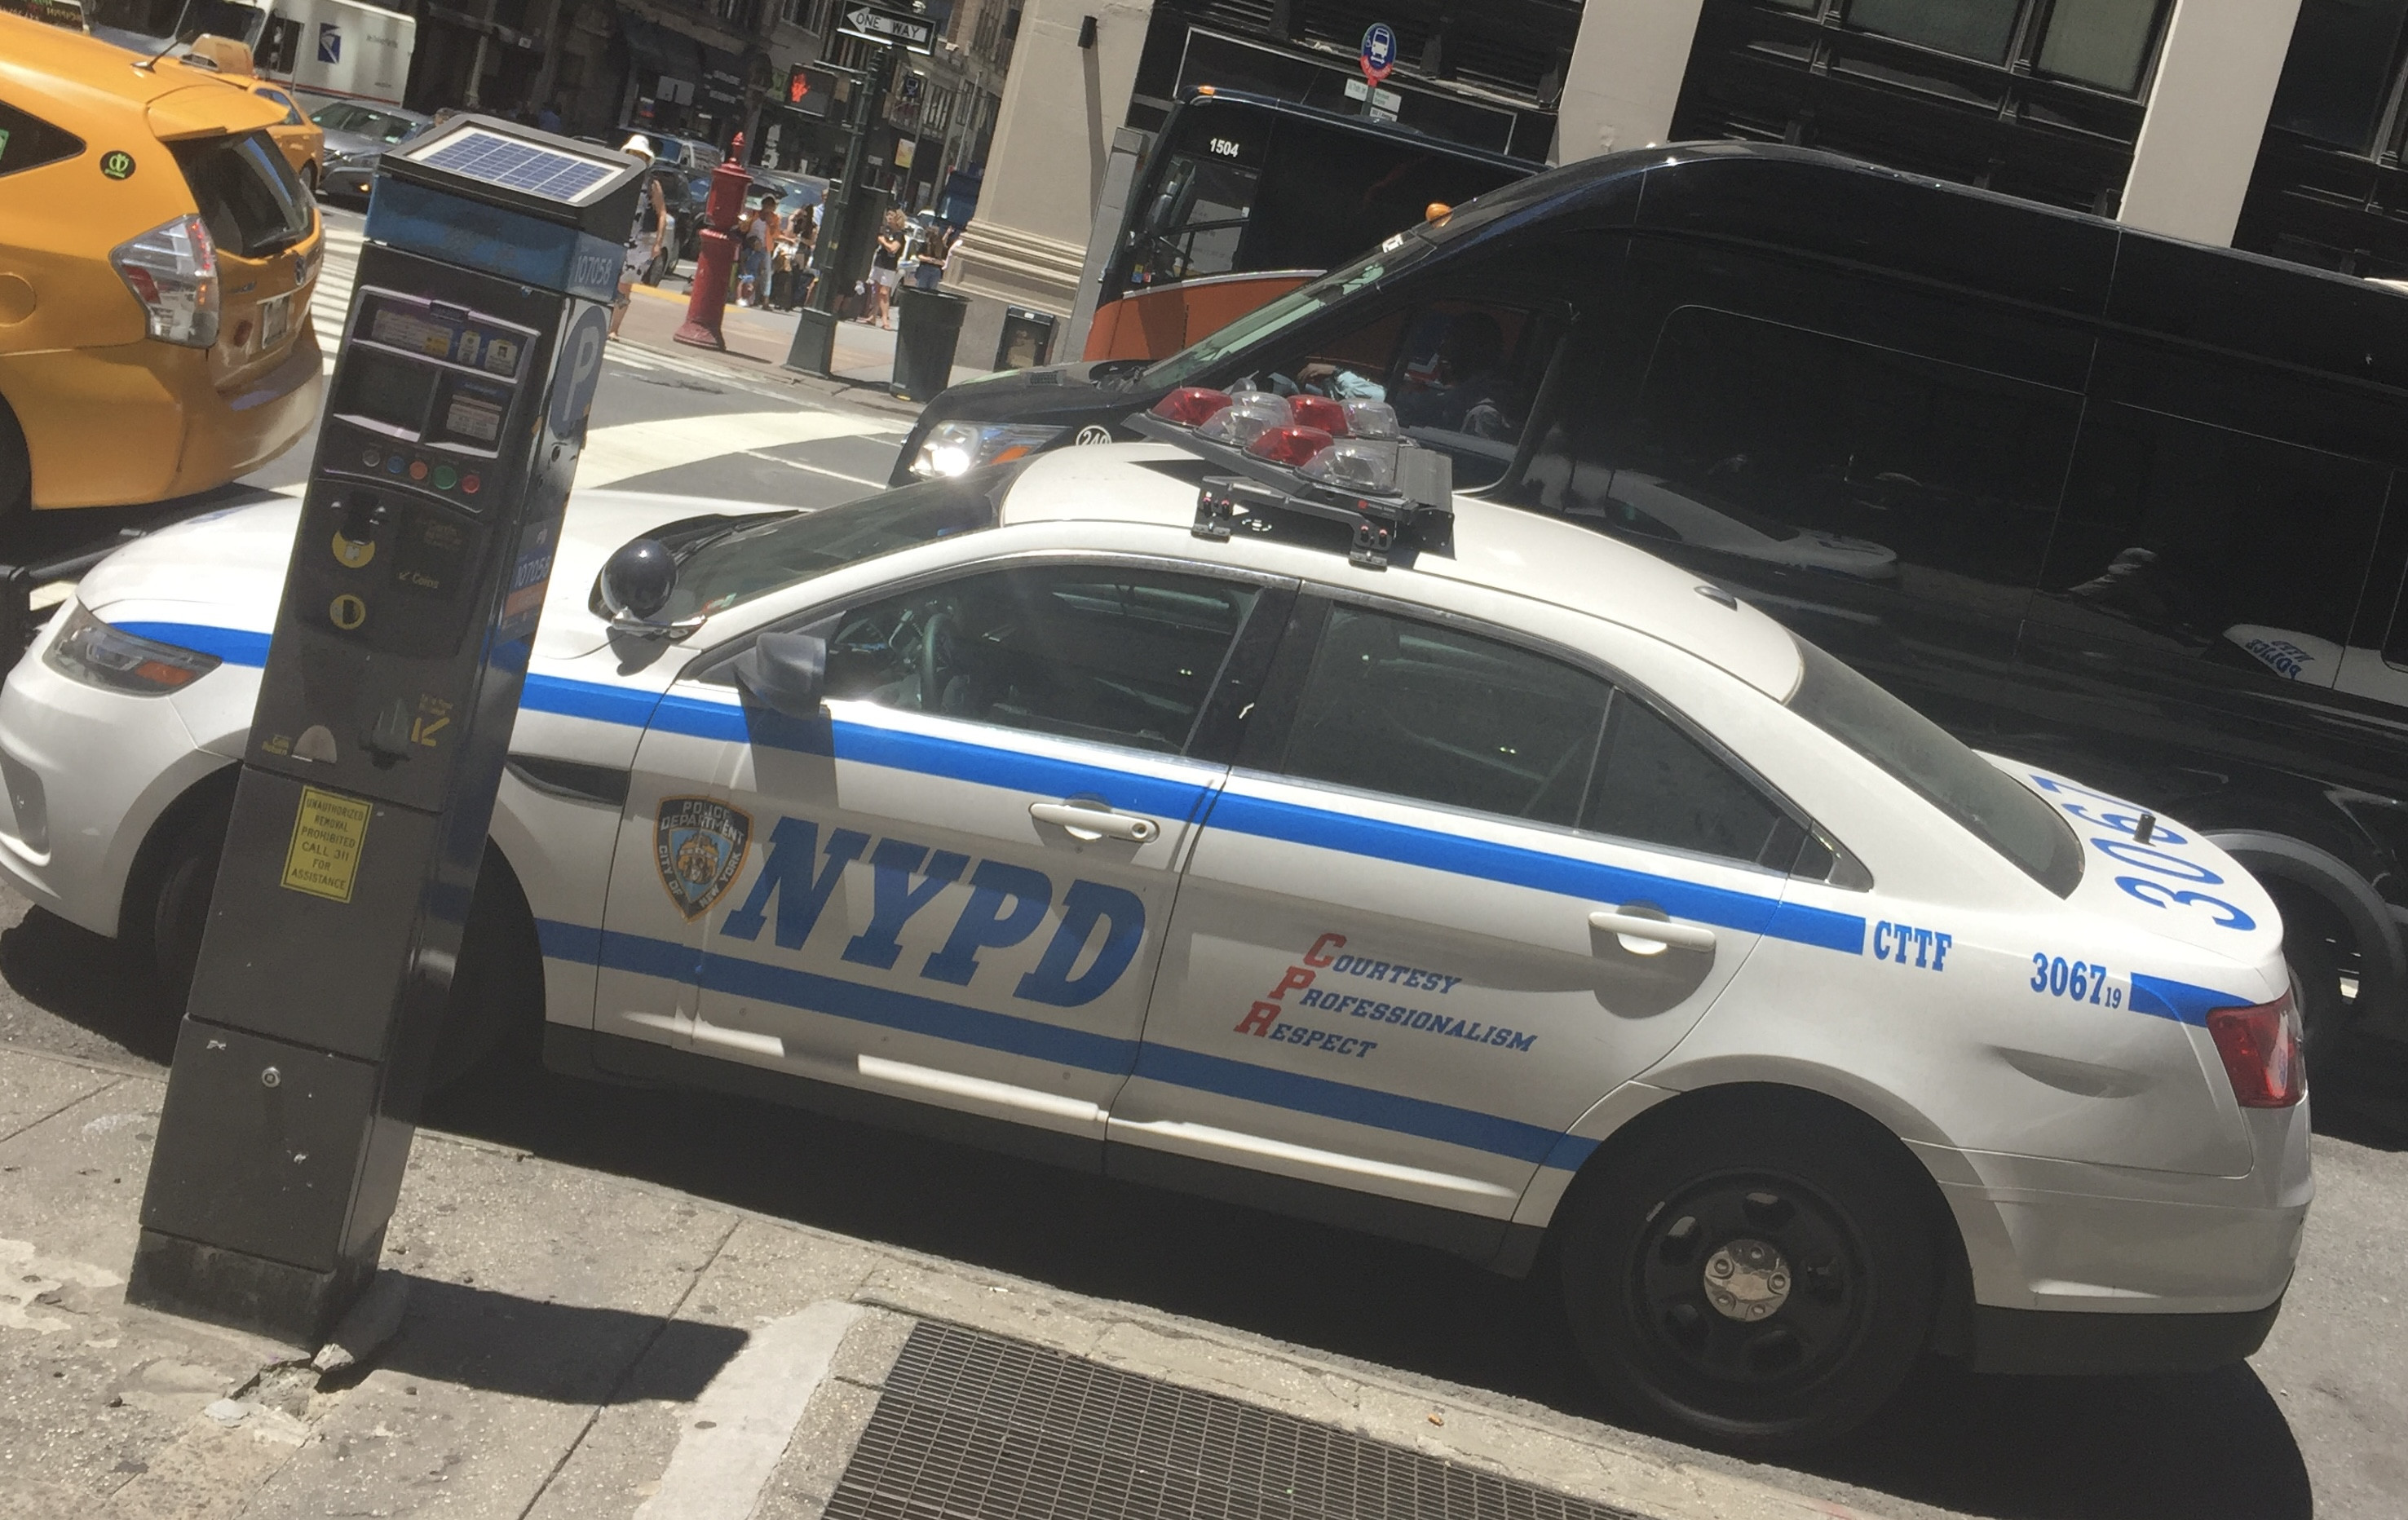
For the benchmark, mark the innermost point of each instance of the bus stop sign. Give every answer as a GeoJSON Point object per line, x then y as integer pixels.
{"type": "Point", "coordinates": [1379, 51]}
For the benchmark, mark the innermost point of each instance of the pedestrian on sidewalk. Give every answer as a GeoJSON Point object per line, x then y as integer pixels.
{"type": "Point", "coordinates": [933, 253]}
{"type": "Point", "coordinates": [644, 236]}
{"type": "Point", "coordinates": [883, 265]}
{"type": "Point", "coordinates": [760, 236]}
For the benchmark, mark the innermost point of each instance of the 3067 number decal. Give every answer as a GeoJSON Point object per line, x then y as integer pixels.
{"type": "Point", "coordinates": [2083, 981]}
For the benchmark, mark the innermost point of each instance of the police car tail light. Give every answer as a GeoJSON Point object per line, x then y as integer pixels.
{"type": "Point", "coordinates": [1191, 406]}
{"type": "Point", "coordinates": [2260, 1047]}
{"type": "Point", "coordinates": [1289, 444]}
{"type": "Point", "coordinates": [1318, 411]}
{"type": "Point", "coordinates": [1370, 420]}
{"type": "Point", "coordinates": [173, 271]}
{"type": "Point", "coordinates": [1364, 464]}
{"type": "Point", "coordinates": [94, 653]}
{"type": "Point", "coordinates": [1248, 413]}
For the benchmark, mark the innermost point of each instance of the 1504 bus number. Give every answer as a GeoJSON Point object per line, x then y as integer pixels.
{"type": "Point", "coordinates": [2084, 982]}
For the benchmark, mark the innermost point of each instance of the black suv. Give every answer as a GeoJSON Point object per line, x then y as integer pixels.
{"type": "Point", "coordinates": [2091, 498]}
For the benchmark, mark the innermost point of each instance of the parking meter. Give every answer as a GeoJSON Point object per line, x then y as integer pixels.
{"type": "Point", "coordinates": [468, 365]}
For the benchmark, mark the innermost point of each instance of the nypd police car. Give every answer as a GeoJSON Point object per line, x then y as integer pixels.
{"type": "Point", "coordinates": [1240, 812]}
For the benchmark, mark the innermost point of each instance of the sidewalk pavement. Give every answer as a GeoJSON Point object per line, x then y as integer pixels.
{"type": "Point", "coordinates": [759, 341]}
{"type": "Point", "coordinates": [575, 1345]}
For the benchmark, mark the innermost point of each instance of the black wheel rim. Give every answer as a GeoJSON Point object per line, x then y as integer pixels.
{"type": "Point", "coordinates": [1792, 1301]}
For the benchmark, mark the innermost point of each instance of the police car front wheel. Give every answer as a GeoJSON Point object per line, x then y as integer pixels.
{"type": "Point", "coordinates": [1753, 1270]}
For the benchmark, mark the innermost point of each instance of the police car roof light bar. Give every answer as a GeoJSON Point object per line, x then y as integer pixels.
{"type": "Point", "coordinates": [1418, 516]}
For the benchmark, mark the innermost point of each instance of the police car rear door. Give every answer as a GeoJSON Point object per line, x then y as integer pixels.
{"type": "Point", "coordinates": [960, 880]}
{"type": "Point", "coordinates": [1458, 886]}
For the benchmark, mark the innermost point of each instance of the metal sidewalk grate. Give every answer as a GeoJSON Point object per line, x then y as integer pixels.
{"type": "Point", "coordinates": [976, 1426]}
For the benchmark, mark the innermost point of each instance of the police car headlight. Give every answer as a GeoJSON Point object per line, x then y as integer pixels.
{"type": "Point", "coordinates": [958, 448]}
{"type": "Point", "coordinates": [90, 651]}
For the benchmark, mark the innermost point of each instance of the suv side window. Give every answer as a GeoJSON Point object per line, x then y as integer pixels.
{"type": "Point", "coordinates": [28, 142]}
{"type": "Point", "coordinates": [2245, 549]}
{"type": "Point", "coordinates": [1109, 653]}
{"type": "Point", "coordinates": [1461, 373]}
{"type": "Point", "coordinates": [1421, 710]}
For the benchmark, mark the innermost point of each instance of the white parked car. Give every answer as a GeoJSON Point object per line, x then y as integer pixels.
{"type": "Point", "coordinates": [1520, 886]}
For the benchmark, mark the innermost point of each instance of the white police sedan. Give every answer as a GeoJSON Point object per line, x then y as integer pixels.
{"type": "Point", "coordinates": [1468, 878]}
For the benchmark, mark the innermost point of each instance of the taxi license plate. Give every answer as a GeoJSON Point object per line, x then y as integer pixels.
{"type": "Point", "coordinates": [275, 319]}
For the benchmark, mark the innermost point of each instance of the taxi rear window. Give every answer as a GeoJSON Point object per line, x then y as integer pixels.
{"type": "Point", "coordinates": [2001, 812]}
{"type": "Point", "coordinates": [245, 193]}
{"type": "Point", "coordinates": [28, 142]}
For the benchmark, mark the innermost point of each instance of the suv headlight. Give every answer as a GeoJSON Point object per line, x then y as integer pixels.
{"type": "Point", "coordinates": [90, 651]}
{"type": "Point", "coordinates": [958, 448]}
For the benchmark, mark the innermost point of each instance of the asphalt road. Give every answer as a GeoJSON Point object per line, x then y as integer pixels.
{"type": "Point", "coordinates": [2316, 1423]}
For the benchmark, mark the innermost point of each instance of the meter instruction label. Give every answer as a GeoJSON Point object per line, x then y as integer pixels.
{"type": "Point", "coordinates": [329, 831]}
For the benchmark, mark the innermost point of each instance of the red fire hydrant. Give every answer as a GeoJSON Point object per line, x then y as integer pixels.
{"type": "Point", "coordinates": [708, 302]}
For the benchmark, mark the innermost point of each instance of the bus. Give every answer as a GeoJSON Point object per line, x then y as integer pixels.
{"type": "Point", "coordinates": [1245, 198]}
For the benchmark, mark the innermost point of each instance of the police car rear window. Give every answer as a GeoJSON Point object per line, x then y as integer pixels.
{"type": "Point", "coordinates": [1960, 784]}
{"type": "Point", "coordinates": [756, 556]}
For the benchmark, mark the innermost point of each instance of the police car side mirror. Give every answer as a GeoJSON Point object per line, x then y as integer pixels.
{"type": "Point", "coordinates": [786, 672]}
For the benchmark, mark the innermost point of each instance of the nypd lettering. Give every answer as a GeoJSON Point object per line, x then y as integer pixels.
{"type": "Point", "coordinates": [1264, 1019]}
{"type": "Point", "coordinates": [1006, 905]}
{"type": "Point", "coordinates": [1904, 944]}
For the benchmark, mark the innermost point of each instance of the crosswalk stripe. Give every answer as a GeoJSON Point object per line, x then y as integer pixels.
{"type": "Point", "coordinates": [628, 450]}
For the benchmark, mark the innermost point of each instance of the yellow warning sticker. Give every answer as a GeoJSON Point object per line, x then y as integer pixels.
{"type": "Point", "coordinates": [328, 834]}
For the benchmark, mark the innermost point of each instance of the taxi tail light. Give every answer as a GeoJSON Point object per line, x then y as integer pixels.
{"type": "Point", "coordinates": [1321, 412]}
{"type": "Point", "coordinates": [2260, 1047]}
{"type": "Point", "coordinates": [173, 271]}
{"type": "Point", "coordinates": [1290, 444]}
{"type": "Point", "coordinates": [1191, 406]}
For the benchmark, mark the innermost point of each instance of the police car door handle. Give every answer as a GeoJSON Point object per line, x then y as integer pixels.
{"type": "Point", "coordinates": [1085, 821]}
{"type": "Point", "coordinates": [1654, 932]}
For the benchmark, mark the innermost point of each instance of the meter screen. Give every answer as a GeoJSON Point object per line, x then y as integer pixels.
{"type": "Point", "coordinates": [471, 413]}
{"type": "Point", "coordinates": [392, 393]}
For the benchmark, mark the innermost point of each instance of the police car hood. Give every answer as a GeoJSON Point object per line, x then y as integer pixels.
{"type": "Point", "coordinates": [225, 569]}
{"type": "Point", "coordinates": [2215, 923]}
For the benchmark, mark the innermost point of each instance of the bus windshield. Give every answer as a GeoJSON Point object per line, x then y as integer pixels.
{"type": "Point", "coordinates": [1239, 187]}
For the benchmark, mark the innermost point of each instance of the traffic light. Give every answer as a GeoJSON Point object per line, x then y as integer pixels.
{"type": "Point", "coordinates": [798, 85]}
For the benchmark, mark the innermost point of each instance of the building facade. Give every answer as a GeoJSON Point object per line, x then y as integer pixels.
{"type": "Point", "coordinates": [2279, 126]}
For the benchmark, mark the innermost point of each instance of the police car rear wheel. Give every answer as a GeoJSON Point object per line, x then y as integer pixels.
{"type": "Point", "coordinates": [1762, 1279]}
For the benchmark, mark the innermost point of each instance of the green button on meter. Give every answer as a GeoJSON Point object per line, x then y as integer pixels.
{"type": "Point", "coordinates": [445, 477]}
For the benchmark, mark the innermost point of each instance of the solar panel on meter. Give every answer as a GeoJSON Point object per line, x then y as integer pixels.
{"type": "Point", "coordinates": [488, 156]}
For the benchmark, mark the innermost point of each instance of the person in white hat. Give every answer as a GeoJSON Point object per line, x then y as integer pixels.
{"type": "Point", "coordinates": [644, 238]}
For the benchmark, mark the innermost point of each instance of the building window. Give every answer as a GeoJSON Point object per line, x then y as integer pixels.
{"type": "Point", "coordinates": [1981, 29]}
{"type": "Point", "coordinates": [2344, 61]}
{"type": "Point", "coordinates": [2107, 43]}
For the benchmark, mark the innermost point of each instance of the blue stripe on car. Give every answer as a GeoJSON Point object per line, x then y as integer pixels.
{"type": "Point", "coordinates": [1021, 771]}
{"type": "Point", "coordinates": [2179, 1000]}
{"type": "Point", "coordinates": [1036, 1039]}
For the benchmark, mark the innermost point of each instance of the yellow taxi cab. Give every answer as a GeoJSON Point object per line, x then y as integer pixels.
{"type": "Point", "coordinates": [301, 141]}
{"type": "Point", "coordinates": [157, 255]}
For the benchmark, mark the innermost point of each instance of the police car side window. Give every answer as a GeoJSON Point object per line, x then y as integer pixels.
{"type": "Point", "coordinates": [1103, 652]}
{"type": "Point", "coordinates": [1658, 786]}
{"type": "Point", "coordinates": [1440, 715]}
{"type": "Point", "coordinates": [1436, 714]}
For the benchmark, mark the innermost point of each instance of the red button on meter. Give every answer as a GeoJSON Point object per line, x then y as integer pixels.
{"type": "Point", "coordinates": [468, 484]}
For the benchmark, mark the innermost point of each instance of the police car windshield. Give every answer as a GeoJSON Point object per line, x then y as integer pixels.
{"type": "Point", "coordinates": [761, 555]}
{"type": "Point", "coordinates": [1960, 784]}
{"type": "Point", "coordinates": [1398, 253]}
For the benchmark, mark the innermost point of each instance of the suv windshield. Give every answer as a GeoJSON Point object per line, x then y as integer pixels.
{"type": "Point", "coordinates": [2006, 816]}
{"type": "Point", "coordinates": [762, 555]}
{"type": "Point", "coordinates": [1289, 309]}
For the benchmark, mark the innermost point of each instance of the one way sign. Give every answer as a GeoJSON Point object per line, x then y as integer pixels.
{"type": "Point", "coordinates": [886, 26]}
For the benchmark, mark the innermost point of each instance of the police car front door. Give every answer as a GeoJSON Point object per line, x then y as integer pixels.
{"type": "Point", "coordinates": [1463, 890]}
{"type": "Point", "coordinates": [963, 874]}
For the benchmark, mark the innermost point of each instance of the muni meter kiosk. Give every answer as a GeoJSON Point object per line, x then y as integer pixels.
{"type": "Point", "coordinates": [468, 362]}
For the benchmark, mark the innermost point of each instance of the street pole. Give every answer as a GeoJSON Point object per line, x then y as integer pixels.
{"type": "Point", "coordinates": [814, 347]}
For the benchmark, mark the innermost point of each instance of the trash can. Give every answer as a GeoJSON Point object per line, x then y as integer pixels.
{"type": "Point", "coordinates": [927, 324]}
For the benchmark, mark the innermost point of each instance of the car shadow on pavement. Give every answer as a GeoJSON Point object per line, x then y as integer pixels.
{"type": "Point", "coordinates": [2198, 1448]}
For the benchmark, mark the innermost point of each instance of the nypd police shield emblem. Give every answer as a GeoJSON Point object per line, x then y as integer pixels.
{"type": "Point", "coordinates": [700, 843]}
